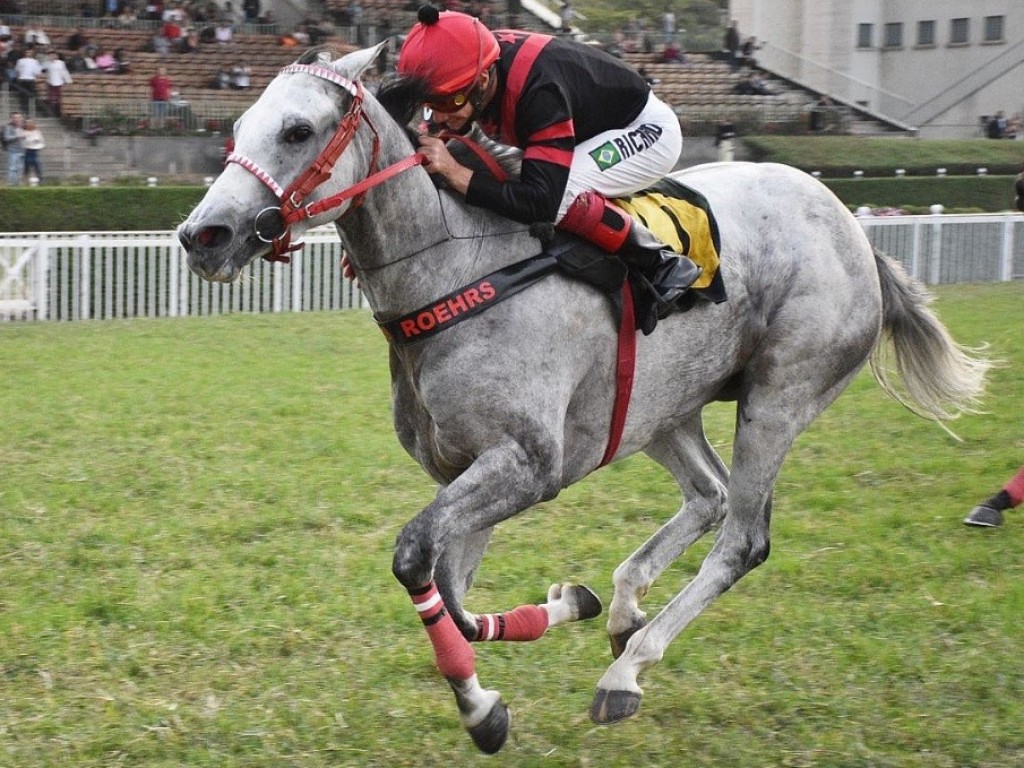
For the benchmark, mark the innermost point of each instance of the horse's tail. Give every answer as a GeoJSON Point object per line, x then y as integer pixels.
{"type": "Point", "coordinates": [940, 378]}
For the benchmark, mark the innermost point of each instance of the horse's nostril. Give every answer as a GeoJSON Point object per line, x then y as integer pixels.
{"type": "Point", "coordinates": [212, 238]}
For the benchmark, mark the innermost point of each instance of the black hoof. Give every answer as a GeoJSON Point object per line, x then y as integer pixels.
{"type": "Point", "coordinates": [588, 604]}
{"type": "Point", "coordinates": [618, 642]}
{"type": "Point", "coordinates": [613, 706]}
{"type": "Point", "coordinates": [490, 733]}
{"type": "Point", "coordinates": [984, 516]}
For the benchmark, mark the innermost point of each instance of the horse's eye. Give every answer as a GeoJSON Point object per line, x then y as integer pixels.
{"type": "Point", "coordinates": [298, 134]}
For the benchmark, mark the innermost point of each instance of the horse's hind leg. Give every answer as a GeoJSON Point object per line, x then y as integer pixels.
{"type": "Point", "coordinates": [790, 390]}
{"type": "Point", "coordinates": [702, 477]}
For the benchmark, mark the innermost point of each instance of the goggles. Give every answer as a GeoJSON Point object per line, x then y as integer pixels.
{"type": "Point", "coordinates": [450, 103]}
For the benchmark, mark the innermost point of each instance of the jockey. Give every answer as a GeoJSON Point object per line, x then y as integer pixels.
{"type": "Point", "coordinates": [589, 127]}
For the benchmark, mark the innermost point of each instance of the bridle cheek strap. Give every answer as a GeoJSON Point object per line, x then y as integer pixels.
{"type": "Point", "coordinates": [273, 224]}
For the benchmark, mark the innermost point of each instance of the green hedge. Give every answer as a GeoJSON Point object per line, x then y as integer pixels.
{"type": "Point", "coordinates": [86, 209]}
{"type": "Point", "coordinates": [91, 209]}
{"type": "Point", "coordinates": [916, 194]}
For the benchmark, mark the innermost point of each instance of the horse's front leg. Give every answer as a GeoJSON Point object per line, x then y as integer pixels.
{"type": "Point", "coordinates": [454, 574]}
{"type": "Point", "coordinates": [502, 482]}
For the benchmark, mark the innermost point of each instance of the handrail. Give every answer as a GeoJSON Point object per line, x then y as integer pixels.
{"type": "Point", "coordinates": [966, 86]}
{"type": "Point", "coordinates": [807, 73]}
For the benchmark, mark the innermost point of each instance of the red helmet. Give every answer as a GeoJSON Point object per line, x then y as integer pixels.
{"type": "Point", "coordinates": [448, 49]}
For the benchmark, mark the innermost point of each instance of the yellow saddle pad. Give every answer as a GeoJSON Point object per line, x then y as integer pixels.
{"type": "Point", "coordinates": [682, 219]}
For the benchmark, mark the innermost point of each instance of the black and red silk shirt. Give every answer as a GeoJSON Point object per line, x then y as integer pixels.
{"type": "Point", "coordinates": [552, 94]}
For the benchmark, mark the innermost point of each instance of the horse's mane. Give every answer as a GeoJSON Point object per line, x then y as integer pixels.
{"type": "Point", "coordinates": [403, 97]}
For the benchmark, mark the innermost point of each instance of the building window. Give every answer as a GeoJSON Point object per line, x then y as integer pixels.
{"type": "Point", "coordinates": [864, 34]}
{"type": "Point", "coordinates": [894, 35]}
{"type": "Point", "coordinates": [926, 33]}
{"type": "Point", "coordinates": [994, 29]}
{"type": "Point", "coordinates": [959, 31]}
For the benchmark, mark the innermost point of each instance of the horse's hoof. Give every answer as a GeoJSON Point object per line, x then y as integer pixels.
{"type": "Point", "coordinates": [587, 603]}
{"type": "Point", "coordinates": [490, 733]}
{"type": "Point", "coordinates": [614, 706]}
{"type": "Point", "coordinates": [618, 642]}
{"type": "Point", "coordinates": [984, 516]}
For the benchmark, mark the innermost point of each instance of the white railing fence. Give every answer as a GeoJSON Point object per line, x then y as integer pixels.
{"type": "Point", "coordinates": [106, 275]}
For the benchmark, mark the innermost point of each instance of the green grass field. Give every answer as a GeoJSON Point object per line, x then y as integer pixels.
{"type": "Point", "coordinates": [196, 522]}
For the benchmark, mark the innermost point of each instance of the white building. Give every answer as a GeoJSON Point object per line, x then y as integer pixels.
{"type": "Point", "coordinates": [935, 65]}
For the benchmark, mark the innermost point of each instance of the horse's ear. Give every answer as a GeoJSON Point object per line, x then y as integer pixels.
{"type": "Point", "coordinates": [354, 64]}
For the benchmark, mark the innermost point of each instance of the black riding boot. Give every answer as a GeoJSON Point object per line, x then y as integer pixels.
{"type": "Point", "coordinates": [603, 223]}
{"type": "Point", "coordinates": [670, 273]}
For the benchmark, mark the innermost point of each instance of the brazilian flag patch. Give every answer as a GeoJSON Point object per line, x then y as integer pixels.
{"type": "Point", "coordinates": [606, 156]}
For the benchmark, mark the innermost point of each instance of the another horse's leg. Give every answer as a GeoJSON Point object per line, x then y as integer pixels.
{"type": "Point", "coordinates": [475, 501]}
{"type": "Point", "coordinates": [786, 390]}
{"type": "Point", "coordinates": [702, 477]}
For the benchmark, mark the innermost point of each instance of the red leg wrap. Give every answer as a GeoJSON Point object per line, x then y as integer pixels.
{"type": "Point", "coordinates": [453, 654]}
{"type": "Point", "coordinates": [525, 623]}
{"type": "Point", "coordinates": [1016, 488]}
{"type": "Point", "coordinates": [595, 219]}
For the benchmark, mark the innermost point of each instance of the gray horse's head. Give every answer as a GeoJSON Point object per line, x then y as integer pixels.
{"type": "Point", "coordinates": [276, 140]}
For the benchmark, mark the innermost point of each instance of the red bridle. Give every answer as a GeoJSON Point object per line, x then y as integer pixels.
{"type": "Point", "coordinates": [277, 220]}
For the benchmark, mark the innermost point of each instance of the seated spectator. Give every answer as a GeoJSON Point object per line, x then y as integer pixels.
{"type": "Point", "coordinates": [222, 80]}
{"type": "Point", "coordinates": [224, 32]}
{"type": "Point", "coordinates": [105, 61]}
{"type": "Point", "coordinates": [172, 31]}
{"type": "Point", "coordinates": [189, 42]}
{"type": "Point", "coordinates": [647, 78]}
{"type": "Point", "coordinates": [241, 76]}
{"type": "Point", "coordinates": [77, 40]}
{"type": "Point", "coordinates": [127, 18]}
{"type": "Point", "coordinates": [161, 45]}
{"type": "Point", "coordinates": [124, 64]}
{"type": "Point", "coordinates": [34, 35]}
{"type": "Point", "coordinates": [673, 54]}
{"type": "Point", "coordinates": [747, 50]}
{"type": "Point", "coordinates": [753, 85]}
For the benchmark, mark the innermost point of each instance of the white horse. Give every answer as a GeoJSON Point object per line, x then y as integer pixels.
{"type": "Point", "coordinates": [509, 407]}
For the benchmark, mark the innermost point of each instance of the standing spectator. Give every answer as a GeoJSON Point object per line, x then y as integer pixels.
{"type": "Point", "coordinates": [160, 86]}
{"type": "Point", "coordinates": [252, 10]}
{"type": "Point", "coordinates": [14, 142]}
{"type": "Point", "coordinates": [26, 71]}
{"type": "Point", "coordinates": [568, 14]}
{"type": "Point", "coordinates": [57, 76]}
{"type": "Point", "coordinates": [33, 143]}
{"type": "Point", "coordinates": [668, 25]}
{"type": "Point", "coordinates": [732, 44]}
{"type": "Point", "coordinates": [989, 514]}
